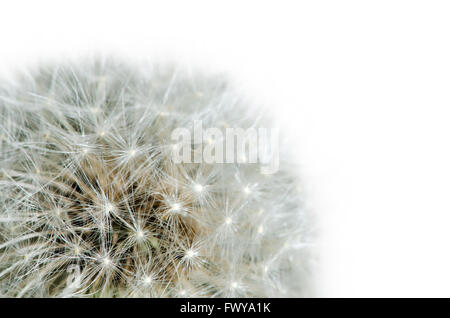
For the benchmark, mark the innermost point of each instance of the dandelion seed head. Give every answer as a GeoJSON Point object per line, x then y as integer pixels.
{"type": "Point", "coordinates": [87, 178]}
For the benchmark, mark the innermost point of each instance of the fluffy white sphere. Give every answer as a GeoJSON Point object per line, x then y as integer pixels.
{"type": "Point", "coordinates": [92, 203]}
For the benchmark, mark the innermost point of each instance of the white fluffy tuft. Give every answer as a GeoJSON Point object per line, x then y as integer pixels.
{"type": "Point", "coordinates": [91, 203]}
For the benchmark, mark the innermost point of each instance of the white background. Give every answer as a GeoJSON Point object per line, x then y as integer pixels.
{"type": "Point", "coordinates": [363, 85]}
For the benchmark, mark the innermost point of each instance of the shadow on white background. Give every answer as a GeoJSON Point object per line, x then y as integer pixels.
{"type": "Point", "coordinates": [363, 88]}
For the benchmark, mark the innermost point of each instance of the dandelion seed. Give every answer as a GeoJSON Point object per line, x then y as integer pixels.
{"type": "Point", "coordinates": [190, 253]}
{"type": "Point", "coordinates": [106, 261]}
{"type": "Point", "coordinates": [109, 208]}
{"type": "Point", "coordinates": [228, 220]}
{"type": "Point", "coordinates": [198, 188]}
{"type": "Point", "coordinates": [147, 280]}
{"type": "Point", "coordinates": [260, 229]}
{"type": "Point", "coordinates": [176, 207]}
{"type": "Point", "coordinates": [140, 235]}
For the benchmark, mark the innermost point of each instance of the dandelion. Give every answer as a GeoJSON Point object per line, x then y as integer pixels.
{"type": "Point", "coordinates": [87, 183]}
